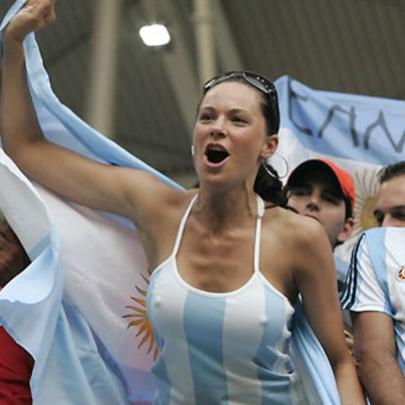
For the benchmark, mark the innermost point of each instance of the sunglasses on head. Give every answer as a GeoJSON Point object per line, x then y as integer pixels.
{"type": "Point", "coordinates": [255, 80]}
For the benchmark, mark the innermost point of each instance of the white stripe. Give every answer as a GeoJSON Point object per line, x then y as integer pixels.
{"type": "Point", "coordinates": [176, 356]}
{"type": "Point", "coordinates": [238, 353]}
{"type": "Point", "coordinates": [395, 257]}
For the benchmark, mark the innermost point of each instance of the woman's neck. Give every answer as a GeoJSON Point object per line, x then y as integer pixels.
{"type": "Point", "coordinates": [225, 210]}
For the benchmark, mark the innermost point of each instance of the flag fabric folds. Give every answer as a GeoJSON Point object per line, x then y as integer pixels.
{"type": "Point", "coordinates": [76, 316]}
{"type": "Point", "coordinates": [80, 308]}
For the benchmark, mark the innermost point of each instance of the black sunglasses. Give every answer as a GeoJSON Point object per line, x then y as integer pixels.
{"type": "Point", "coordinates": [255, 80]}
{"type": "Point", "coordinates": [258, 82]}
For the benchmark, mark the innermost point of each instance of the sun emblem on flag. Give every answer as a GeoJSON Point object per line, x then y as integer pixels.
{"type": "Point", "coordinates": [366, 191]}
{"type": "Point", "coordinates": [138, 319]}
{"type": "Point", "coordinates": [366, 183]}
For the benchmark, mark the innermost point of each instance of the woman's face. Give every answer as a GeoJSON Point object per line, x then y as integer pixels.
{"type": "Point", "coordinates": [230, 138]}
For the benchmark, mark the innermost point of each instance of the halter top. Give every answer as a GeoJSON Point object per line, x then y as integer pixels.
{"type": "Point", "coordinates": [221, 348]}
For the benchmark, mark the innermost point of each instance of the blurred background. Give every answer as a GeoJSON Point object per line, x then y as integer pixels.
{"type": "Point", "coordinates": [145, 97]}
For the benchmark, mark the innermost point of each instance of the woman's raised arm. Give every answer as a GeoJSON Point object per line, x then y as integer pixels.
{"type": "Point", "coordinates": [73, 176]}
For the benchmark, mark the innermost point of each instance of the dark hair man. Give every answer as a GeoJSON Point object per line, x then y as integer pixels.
{"type": "Point", "coordinates": [390, 203]}
{"type": "Point", "coordinates": [375, 294]}
{"type": "Point", "coordinates": [320, 189]}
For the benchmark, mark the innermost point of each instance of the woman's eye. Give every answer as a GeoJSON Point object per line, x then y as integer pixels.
{"type": "Point", "coordinates": [239, 120]}
{"type": "Point", "coordinates": [205, 117]}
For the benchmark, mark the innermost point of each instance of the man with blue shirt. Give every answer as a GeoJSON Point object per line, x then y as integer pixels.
{"type": "Point", "coordinates": [375, 294]}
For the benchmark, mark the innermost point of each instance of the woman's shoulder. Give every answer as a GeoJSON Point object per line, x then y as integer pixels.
{"type": "Point", "coordinates": [289, 224]}
{"type": "Point", "coordinates": [173, 203]}
{"type": "Point", "coordinates": [153, 191]}
{"type": "Point", "coordinates": [179, 199]}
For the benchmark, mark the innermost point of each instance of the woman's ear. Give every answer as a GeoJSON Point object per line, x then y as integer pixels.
{"type": "Point", "coordinates": [269, 146]}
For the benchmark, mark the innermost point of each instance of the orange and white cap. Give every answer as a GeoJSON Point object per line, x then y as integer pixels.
{"type": "Point", "coordinates": [344, 179]}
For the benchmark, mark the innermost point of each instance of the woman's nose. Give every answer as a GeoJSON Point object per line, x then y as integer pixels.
{"type": "Point", "coordinates": [218, 127]}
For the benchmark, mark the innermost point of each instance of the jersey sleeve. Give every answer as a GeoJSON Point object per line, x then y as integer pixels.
{"type": "Point", "coordinates": [366, 286]}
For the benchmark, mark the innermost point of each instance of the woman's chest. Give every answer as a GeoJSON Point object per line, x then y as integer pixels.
{"type": "Point", "coordinates": [241, 318]}
{"type": "Point", "coordinates": [216, 266]}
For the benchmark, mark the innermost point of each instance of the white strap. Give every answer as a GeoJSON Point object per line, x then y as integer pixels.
{"type": "Point", "coordinates": [182, 225]}
{"type": "Point", "coordinates": [260, 213]}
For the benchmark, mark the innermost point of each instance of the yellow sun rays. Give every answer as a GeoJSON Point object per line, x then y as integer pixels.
{"type": "Point", "coordinates": [140, 321]}
{"type": "Point", "coordinates": [366, 190]}
{"type": "Point", "coordinates": [366, 183]}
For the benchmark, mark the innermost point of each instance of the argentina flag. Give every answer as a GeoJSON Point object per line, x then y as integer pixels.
{"type": "Point", "coordinates": [80, 308]}
{"type": "Point", "coordinates": [359, 133]}
{"type": "Point", "coordinates": [36, 314]}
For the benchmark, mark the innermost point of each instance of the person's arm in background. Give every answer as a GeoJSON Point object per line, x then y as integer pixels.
{"type": "Point", "coordinates": [377, 365]}
{"type": "Point", "coordinates": [367, 297]}
{"type": "Point", "coordinates": [15, 363]}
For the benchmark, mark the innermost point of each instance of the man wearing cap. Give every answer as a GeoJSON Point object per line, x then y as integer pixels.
{"type": "Point", "coordinates": [375, 294]}
{"type": "Point", "coordinates": [320, 189]}
{"type": "Point", "coordinates": [15, 363]}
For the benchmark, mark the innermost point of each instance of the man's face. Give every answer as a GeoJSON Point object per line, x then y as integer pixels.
{"type": "Point", "coordinates": [317, 194]}
{"type": "Point", "coordinates": [390, 204]}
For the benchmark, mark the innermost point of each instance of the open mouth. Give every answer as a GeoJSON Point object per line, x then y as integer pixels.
{"type": "Point", "coordinates": [216, 153]}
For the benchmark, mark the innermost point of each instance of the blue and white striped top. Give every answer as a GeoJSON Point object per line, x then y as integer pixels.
{"type": "Point", "coordinates": [221, 348]}
{"type": "Point", "coordinates": [376, 280]}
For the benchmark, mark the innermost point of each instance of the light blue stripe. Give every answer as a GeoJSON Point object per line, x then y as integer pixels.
{"type": "Point", "coordinates": [39, 247]}
{"type": "Point", "coordinates": [348, 296]}
{"type": "Point", "coordinates": [203, 327]}
{"type": "Point", "coordinates": [311, 362]}
{"type": "Point", "coordinates": [162, 382]}
{"type": "Point", "coordinates": [93, 377]}
{"type": "Point", "coordinates": [375, 239]}
{"type": "Point", "coordinates": [142, 385]}
{"type": "Point", "coordinates": [275, 385]}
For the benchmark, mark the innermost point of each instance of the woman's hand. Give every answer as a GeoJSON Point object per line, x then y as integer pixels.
{"type": "Point", "coordinates": [35, 15]}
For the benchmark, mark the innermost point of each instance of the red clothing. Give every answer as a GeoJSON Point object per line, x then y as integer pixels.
{"type": "Point", "coordinates": [15, 372]}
